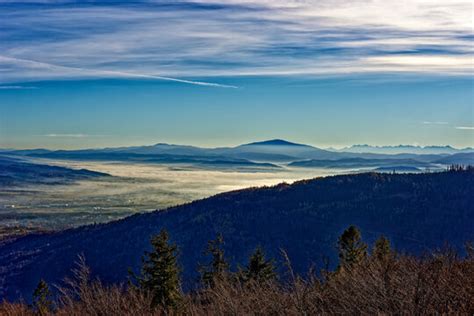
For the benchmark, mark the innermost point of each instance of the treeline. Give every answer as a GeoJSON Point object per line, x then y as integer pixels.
{"type": "Point", "coordinates": [460, 168]}
{"type": "Point", "coordinates": [366, 281]}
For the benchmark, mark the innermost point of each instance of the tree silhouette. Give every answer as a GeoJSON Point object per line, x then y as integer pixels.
{"type": "Point", "coordinates": [218, 268]}
{"type": "Point", "coordinates": [382, 250]}
{"type": "Point", "coordinates": [160, 272]}
{"type": "Point", "coordinates": [259, 269]}
{"type": "Point", "coordinates": [352, 250]}
{"type": "Point", "coordinates": [42, 299]}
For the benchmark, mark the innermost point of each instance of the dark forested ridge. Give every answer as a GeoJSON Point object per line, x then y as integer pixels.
{"type": "Point", "coordinates": [15, 172]}
{"type": "Point", "coordinates": [417, 212]}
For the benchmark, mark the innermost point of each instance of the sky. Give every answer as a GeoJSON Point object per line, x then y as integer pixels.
{"type": "Point", "coordinates": [330, 73]}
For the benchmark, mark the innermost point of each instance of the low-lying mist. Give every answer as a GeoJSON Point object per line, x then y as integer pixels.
{"type": "Point", "coordinates": [132, 188]}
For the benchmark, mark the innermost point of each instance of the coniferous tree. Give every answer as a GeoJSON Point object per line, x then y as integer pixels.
{"type": "Point", "coordinates": [352, 250]}
{"type": "Point", "coordinates": [382, 250]}
{"type": "Point", "coordinates": [42, 298]}
{"type": "Point", "coordinates": [160, 272]}
{"type": "Point", "coordinates": [218, 268]}
{"type": "Point", "coordinates": [259, 269]}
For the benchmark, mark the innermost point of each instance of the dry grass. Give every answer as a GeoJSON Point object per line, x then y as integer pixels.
{"type": "Point", "coordinates": [442, 284]}
{"type": "Point", "coordinates": [438, 284]}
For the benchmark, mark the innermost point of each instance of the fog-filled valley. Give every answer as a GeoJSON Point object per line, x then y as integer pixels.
{"type": "Point", "coordinates": [52, 190]}
{"type": "Point", "coordinates": [130, 188]}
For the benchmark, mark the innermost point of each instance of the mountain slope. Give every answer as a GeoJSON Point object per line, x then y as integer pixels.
{"type": "Point", "coordinates": [359, 163]}
{"type": "Point", "coordinates": [275, 142]}
{"type": "Point", "coordinates": [207, 161]}
{"type": "Point", "coordinates": [458, 159]}
{"type": "Point", "coordinates": [416, 211]}
{"type": "Point", "coordinates": [16, 172]}
{"type": "Point", "coordinates": [282, 147]}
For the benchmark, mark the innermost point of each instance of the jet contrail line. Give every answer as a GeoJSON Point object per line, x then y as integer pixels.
{"type": "Point", "coordinates": [105, 73]}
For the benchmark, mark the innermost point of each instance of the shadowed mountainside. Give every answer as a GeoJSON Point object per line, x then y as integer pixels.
{"type": "Point", "coordinates": [458, 159]}
{"type": "Point", "coordinates": [15, 172]}
{"type": "Point", "coordinates": [359, 163]}
{"type": "Point", "coordinates": [417, 212]}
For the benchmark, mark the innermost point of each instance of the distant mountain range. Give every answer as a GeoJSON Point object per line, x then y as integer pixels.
{"type": "Point", "coordinates": [459, 159]}
{"type": "Point", "coordinates": [270, 154]}
{"type": "Point", "coordinates": [349, 163]}
{"type": "Point", "coordinates": [417, 212]}
{"type": "Point", "coordinates": [405, 149]}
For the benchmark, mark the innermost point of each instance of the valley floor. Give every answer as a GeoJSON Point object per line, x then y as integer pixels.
{"type": "Point", "coordinates": [133, 188]}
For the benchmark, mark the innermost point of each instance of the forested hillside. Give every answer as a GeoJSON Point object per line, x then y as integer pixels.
{"type": "Point", "coordinates": [417, 212]}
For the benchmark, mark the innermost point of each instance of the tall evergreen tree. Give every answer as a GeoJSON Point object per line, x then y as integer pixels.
{"type": "Point", "coordinates": [218, 268]}
{"type": "Point", "coordinates": [42, 299]}
{"type": "Point", "coordinates": [352, 250]}
{"type": "Point", "coordinates": [259, 269]}
{"type": "Point", "coordinates": [382, 250]}
{"type": "Point", "coordinates": [160, 272]}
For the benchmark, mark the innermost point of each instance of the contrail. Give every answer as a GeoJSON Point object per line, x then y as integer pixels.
{"type": "Point", "coordinates": [199, 83]}
{"type": "Point", "coordinates": [108, 73]}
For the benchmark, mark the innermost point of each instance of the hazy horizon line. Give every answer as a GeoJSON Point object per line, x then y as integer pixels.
{"type": "Point", "coordinates": [329, 148]}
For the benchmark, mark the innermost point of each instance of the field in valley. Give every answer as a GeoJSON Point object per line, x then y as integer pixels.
{"type": "Point", "coordinates": [132, 188]}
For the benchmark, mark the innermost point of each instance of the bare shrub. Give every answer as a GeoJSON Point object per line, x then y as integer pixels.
{"type": "Point", "coordinates": [83, 296]}
{"type": "Point", "coordinates": [441, 283]}
{"type": "Point", "coordinates": [15, 309]}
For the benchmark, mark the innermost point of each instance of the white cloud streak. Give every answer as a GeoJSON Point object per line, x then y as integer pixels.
{"type": "Point", "coordinates": [435, 123]}
{"type": "Point", "coordinates": [17, 87]}
{"type": "Point", "coordinates": [66, 135]}
{"type": "Point", "coordinates": [71, 135]}
{"type": "Point", "coordinates": [468, 128]}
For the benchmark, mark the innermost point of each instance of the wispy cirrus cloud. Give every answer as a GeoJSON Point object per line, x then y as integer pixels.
{"type": "Point", "coordinates": [2, 87]}
{"type": "Point", "coordinates": [441, 123]}
{"type": "Point", "coordinates": [169, 40]}
{"type": "Point", "coordinates": [435, 123]}
{"type": "Point", "coordinates": [54, 135]}
{"type": "Point", "coordinates": [65, 135]}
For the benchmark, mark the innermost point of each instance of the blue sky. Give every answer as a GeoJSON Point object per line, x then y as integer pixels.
{"type": "Point", "coordinates": [213, 73]}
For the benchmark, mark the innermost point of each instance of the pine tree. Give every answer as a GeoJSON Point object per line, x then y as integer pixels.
{"type": "Point", "coordinates": [259, 269]}
{"type": "Point", "coordinates": [160, 272]}
{"type": "Point", "coordinates": [352, 250]}
{"type": "Point", "coordinates": [218, 267]}
{"type": "Point", "coordinates": [42, 298]}
{"type": "Point", "coordinates": [382, 250]}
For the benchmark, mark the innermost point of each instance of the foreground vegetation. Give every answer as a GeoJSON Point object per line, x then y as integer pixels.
{"type": "Point", "coordinates": [378, 281]}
